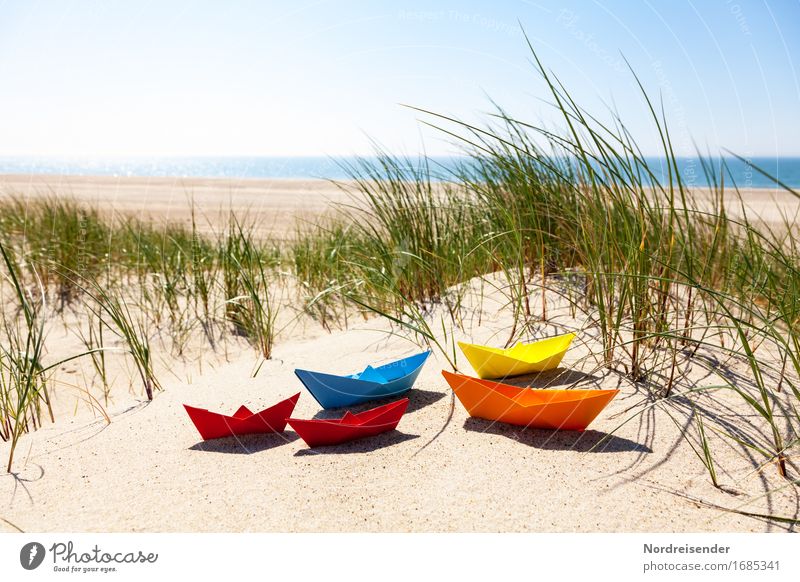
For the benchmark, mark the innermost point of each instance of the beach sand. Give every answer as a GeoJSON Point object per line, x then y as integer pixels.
{"type": "Point", "coordinates": [148, 470]}
{"type": "Point", "coordinates": [275, 205]}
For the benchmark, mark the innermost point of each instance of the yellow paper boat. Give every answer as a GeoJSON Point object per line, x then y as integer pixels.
{"type": "Point", "coordinates": [537, 356]}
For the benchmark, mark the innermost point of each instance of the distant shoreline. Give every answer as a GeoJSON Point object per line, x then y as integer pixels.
{"type": "Point", "coordinates": [276, 205]}
{"type": "Point", "coordinates": [785, 168]}
{"type": "Point", "coordinates": [9, 178]}
{"type": "Point", "coordinates": [46, 177]}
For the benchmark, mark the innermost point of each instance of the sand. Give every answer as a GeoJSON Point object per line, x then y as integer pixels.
{"type": "Point", "coordinates": [148, 470]}
{"type": "Point", "coordinates": [274, 205]}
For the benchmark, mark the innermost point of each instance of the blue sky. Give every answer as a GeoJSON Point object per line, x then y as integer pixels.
{"type": "Point", "coordinates": [321, 78]}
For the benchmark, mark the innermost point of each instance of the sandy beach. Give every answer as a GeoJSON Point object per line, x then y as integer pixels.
{"type": "Point", "coordinates": [276, 206]}
{"type": "Point", "coordinates": [145, 468]}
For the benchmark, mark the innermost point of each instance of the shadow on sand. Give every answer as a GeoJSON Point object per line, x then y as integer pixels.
{"type": "Point", "coordinates": [366, 445]}
{"type": "Point", "coordinates": [558, 440]}
{"type": "Point", "coordinates": [557, 378]}
{"type": "Point", "coordinates": [246, 444]}
{"type": "Point", "coordinates": [417, 399]}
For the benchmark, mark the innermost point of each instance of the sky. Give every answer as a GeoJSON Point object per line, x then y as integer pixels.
{"type": "Point", "coordinates": [299, 78]}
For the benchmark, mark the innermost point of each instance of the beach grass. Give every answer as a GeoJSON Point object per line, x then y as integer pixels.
{"type": "Point", "coordinates": [23, 381]}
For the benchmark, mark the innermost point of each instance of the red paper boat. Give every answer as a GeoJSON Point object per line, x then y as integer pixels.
{"type": "Point", "coordinates": [213, 425]}
{"type": "Point", "coordinates": [322, 432]}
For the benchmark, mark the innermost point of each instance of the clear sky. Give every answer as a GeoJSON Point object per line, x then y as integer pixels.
{"type": "Point", "coordinates": [317, 78]}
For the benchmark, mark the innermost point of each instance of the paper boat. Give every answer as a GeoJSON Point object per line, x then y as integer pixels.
{"type": "Point", "coordinates": [521, 359]}
{"type": "Point", "coordinates": [322, 432]}
{"type": "Point", "coordinates": [529, 407]}
{"type": "Point", "coordinates": [393, 379]}
{"type": "Point", "coordinates": [213, 425]}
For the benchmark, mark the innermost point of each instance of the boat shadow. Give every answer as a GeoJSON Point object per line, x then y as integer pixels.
{"type": "Point", "coordinates": [417, 400]}
{"type": "Point", "coordinates": [555, 378]}
{"type": "Point", "coordinates": [245, 444]}
{"type": "Point", "coordinates": [361, 446]}
{"type": "Point", "coordinates": [593, 441]}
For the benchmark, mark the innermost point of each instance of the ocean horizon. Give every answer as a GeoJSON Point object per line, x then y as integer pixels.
{"type": "Point", "coordinates": [744, 175]}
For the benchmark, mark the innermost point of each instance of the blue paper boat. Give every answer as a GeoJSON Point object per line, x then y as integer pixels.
{"type": "Point", "coordinates": [389, 380]}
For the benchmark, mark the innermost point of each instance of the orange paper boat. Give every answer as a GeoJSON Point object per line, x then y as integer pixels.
{"type": "Point", "coordinates": [529, 407]}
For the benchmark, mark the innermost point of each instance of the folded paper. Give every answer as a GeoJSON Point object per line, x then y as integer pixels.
{"type": "Point", "coordinates": [213, 425]}
{"type": "Point", "coordinates": [537, 356]}
{"type": "Point", "coordinates": [323, 432]}
{"type": "Point", "coordinates": [529, 407]}
{"type": "Point", "coordinates": [390, 380]}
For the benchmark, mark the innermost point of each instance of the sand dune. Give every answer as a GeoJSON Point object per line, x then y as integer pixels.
{"type": "Point", "coordinates": [148, 470]}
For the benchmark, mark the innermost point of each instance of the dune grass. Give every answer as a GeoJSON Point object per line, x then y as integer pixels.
{"type": "Point", "coordinates": [23, 383]}
{"type": "Point", "coordinates": [248, 274]}
{"type": "Point", "coordinates": [118, 280]}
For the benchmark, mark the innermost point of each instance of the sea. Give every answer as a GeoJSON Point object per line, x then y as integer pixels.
{"type": "Point", "coordinates": [749, 174]}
